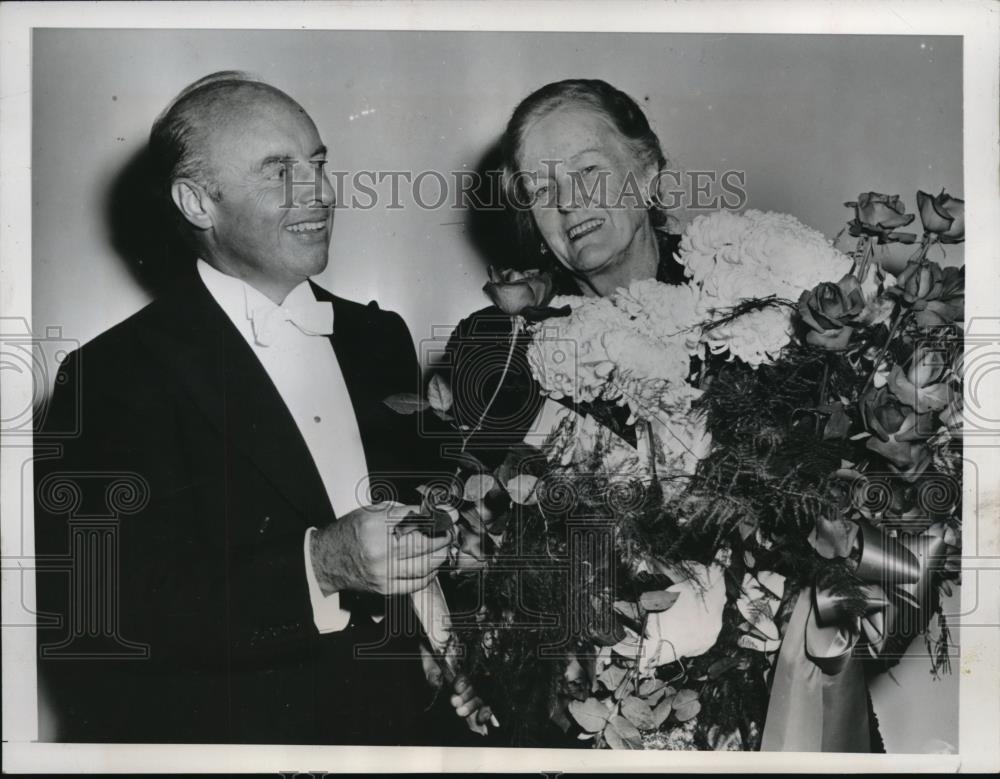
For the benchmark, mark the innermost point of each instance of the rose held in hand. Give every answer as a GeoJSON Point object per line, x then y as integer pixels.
{"type": "Point", "coordinates": [514, 291]}
{"type": "Point", "coordinates": [879, 215]}
{"type": "Point", "coordinates": [829, 312]}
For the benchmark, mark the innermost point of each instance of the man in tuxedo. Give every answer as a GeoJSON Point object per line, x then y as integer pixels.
{"type": "Point", "coordinates": [226, 439]}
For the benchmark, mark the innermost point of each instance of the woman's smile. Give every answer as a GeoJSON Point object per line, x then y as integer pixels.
{"type": "Point", "coordinates": [578, 231]}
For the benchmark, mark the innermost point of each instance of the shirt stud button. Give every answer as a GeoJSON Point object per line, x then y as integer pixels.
{"type": "Point", "coordinates": [317, 419]}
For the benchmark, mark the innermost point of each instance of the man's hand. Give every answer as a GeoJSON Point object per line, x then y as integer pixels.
{"type": "Point", "coordinates": [360, 552]}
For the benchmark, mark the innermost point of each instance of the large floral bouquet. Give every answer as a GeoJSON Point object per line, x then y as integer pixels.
{"type": "Point", "coordinates": [787, 508]}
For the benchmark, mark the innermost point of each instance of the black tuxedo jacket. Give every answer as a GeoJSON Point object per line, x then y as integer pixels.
{"type": "Point", "coordinates": [170, 521]}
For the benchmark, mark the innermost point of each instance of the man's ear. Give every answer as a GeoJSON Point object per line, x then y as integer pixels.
{"type": "Point", "coordinates": [193, 202]}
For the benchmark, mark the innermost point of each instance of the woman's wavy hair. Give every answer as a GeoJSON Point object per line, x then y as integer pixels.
{"type": "Point", "coordinates": [617, 107]}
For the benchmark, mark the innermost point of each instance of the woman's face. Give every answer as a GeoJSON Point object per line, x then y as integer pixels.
{"type": "Point", "coordinates": [586, 188]}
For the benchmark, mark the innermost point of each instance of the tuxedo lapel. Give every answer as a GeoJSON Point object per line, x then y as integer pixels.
{"type": "Point", "coordinates": [214, 363]}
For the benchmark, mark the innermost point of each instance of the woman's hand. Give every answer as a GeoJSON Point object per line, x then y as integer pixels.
{"type": "Point", "coordinates": [463, 699]}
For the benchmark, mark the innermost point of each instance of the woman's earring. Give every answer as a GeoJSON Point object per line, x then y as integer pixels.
{"type": "Point", "coordinates": [543, 248]}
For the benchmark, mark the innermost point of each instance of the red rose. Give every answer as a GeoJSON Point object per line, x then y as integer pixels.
{"type": "Point", "coordinates": [878, 215]}
{"type": "Point", "coordinates": [943, 215]}
{"type": "Point", "coordinates": [919, 282]}
{"type": "Point", "coordinates": [923, 386]}
{"type": "Point", "coordinates": [897, 430]}
{"type": "Point", "coordinates": [830, 310]}
{"type": "Point", "coordinates": [950, 305]}
{"type": "Point", "coordinates": [513, 291]}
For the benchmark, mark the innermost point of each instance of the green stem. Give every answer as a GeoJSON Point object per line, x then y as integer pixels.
{"type": "Point", "coordinates": [822, 392]}
{"type": "Point", "coordinates": [885, 347]}
{"type": "Point", "coordinates": [862, 257]}
{"type": "Point", "coordinates": [515, 329]}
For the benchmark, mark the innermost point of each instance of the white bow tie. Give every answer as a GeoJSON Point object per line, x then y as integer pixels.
{"type": "Point", "coordinates": [311, 318]}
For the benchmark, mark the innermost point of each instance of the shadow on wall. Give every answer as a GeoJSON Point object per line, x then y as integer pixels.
{"type": "Point", "coordinates": [491, 224]}
{"type": "Point", "coordinates": [142, 227]}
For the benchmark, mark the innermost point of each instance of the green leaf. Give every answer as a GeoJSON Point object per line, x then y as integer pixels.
{"type": "Point", "coordinates": [622, 734]}
{"type": "Point", "coordinates": [629, 646]}
{"type": "Point", "coordinates": [687, 711]}
{"type": "Point", "coordinates": [627, 609]}
{"type": "Point", "coordinates": [612, 676]}
{"type": "Point", "coordinates": [662, 711]}
{"type": "Point", "coordinates": [622, 689]}
{"type": "Point", "coordinates": [591, 714]}
{"type": "Point", "coordinates": [471, 515]}
{"type": "Point", "coordinates": [658, 600]}
{"type": "Point", "coordinates": [439, 393]}
{"type": "Point", "coordinates": [651, 690]}
{"type": "Point", "coordinates": [684, 697]}
{"type": "Point", "coordinates": [637, 711]}
{"type": "Point", "coordinates": [522, 489]}
{"type": "Point", "coordinates": [477, 485]}
{"type": "Point", "coordinates": [406, 403]}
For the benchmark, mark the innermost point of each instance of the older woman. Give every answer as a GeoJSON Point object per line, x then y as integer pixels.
{"type": "Point", "coordinates": [583, 168]}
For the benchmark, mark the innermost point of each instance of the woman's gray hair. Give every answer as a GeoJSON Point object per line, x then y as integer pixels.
{"type": "Point", "coordinates": [621, 110]}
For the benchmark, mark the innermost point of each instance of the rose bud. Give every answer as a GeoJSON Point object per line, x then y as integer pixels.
{"type": "Point", "coordinates": [918, 283]}
{"type": "Point", "coordinates": [923, 386]}
{"type": "Point", "coordinates": [829, 311]}
{"type": "Point", "coordinates": [878, 215]}
{"type": "Point", "coordinates": [513, 291]}
{"type": "Point", "coordinates": [943, 215]}
{"type": "Point", "coordinates": [950, 306]}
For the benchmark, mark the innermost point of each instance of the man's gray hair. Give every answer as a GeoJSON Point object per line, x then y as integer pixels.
{"type": "Point", "coordinates": [177, 139]}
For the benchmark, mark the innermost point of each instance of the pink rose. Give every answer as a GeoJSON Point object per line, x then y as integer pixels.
{"type": "Point", "coordinates": [918, 283]}
{"type": "Point", "coordinates": [950, 305]}
{"type": "Point", "coordinates": [897, 432]}
{"type": "Point", "coordinates": [923, 386]}
{"type": "Point", "coordinates": [878, 215]}
{"type": "Point", "coordinates": [830, 310]}
{"type": "Point", "coordinates": [943, 215]}
{"type": "Point", "coordinates": [513, 291]}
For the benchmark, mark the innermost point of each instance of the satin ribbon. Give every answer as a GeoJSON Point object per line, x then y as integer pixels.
{"type": "Point", "coordinates": [312, 318]}
{"type": "Point", "coordinates": [819, 695]}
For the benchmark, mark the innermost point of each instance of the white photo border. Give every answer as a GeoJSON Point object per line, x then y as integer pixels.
{"type": "Point", "coordinates": [976, 21]}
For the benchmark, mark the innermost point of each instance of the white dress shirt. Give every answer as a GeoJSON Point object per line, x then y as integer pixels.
{"type": "Point", "coordinates": [305, 371]}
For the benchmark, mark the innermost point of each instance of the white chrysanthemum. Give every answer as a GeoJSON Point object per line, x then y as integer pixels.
{"type": "Point", "coordinates": [663, 311]}
{"type": "Point", "coordinates": [633, 348]}
{"type": "Point", "coordinates": [734, 257]}
{"type": "Point", "coordinates": [755, 337]}
{"type": "Point", "coordinates": [567, 355]}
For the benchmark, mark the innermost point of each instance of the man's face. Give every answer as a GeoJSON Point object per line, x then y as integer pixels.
{"type": "Point", "coordinates": [265, 230]}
